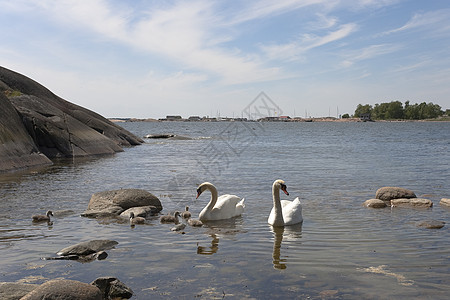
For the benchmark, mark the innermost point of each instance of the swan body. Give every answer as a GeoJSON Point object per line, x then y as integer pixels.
{"type": "Point", "coordinates": [42, 218]}
{"type": "Point", "coordinates": [219, 208]}
{"type": "Point", "coordinates": [170, 219]}
{"type": "Point", "coordinates": [136, 220]}
{"type": "Point", "coordinates": [186, 214]}
{"type": "Point", "coordinates": [195, 223]}
{"type": "Point", "coordinates": [284, 212]}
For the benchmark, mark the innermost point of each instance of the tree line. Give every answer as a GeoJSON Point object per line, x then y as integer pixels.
{"type": "Point", "coordinates": [396, 110]}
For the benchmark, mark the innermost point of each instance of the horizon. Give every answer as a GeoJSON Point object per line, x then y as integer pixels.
{"type": "Point", "coordinates": [313, 58]}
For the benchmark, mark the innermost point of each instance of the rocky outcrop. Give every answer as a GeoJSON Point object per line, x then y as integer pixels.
{"type": "Point", "coordinates": [44, 123]}
{"type": "Point", "coordinates": [117, 201]}
{"type": "Point", "coordinates": [112, 288]}
{"type": "Point", "coordinates": [389, 193]}
{"type": "Point", "coordinates": [17, 148]}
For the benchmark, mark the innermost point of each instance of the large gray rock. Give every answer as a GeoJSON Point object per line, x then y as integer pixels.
{"type": "Point", "coordinates": [389, 193]}
{"type": "Point", "coordinates": [15, 290]}
{"type": "Point", "coordinates": [86, 248]}
{"type": "Point", "coordinates": [17, 148]}
{"type": "Point", "coordinates": [120, 200]}
{"type": "Point", "coordinates": [65, 290]}
{"type": "Point", "coordinates": [431, 224]}
{"type": "Point", "coordinates": [412, 203]}
{"type": "Point", "coordinates": [53, 125]}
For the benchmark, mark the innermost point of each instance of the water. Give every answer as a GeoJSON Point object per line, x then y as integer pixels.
{"type": "Point", "coordinates": [342, 250]}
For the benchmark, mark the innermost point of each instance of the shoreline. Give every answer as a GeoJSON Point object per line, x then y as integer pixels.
{"type": "Point", "coordinates": [295, 120]}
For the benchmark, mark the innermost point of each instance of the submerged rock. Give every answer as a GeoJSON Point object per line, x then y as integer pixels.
{"type": "Point", "coordinates": [431, 224]}
{"type": "Point", "coordinates": [375, 203]}
{"type": "Point", "coordinates": [65, 290]}
{"type": "Point", "coordinates": [412, 203]}
{"type": "Point", "coordinates": [389, 193]}
{"type": "Point", "coordinates": [15, 290]}
{"type": "Point", "coordinates": [86, 248]}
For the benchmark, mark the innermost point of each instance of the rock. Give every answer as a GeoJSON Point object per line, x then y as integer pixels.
{"type": "Point", "coordinates": [17, 148]}
{"type": "Point", "coordinates": [431, 224]}
{"type": "Point", "coordinates": [140, 211]}
{"type": "Point", "coordinates": [15, 290]}
{"type": "Point", "coordinates": [412, 202]}
{"type": "Point", "coordinates": [119, 201]}
{"type": "Point", "coordinates": [375, 203]}
{"type": "Point", "coordinates": [65, 290]}
{"type": "Point", "coordinates": [112, 288]}
{"type": "Point", "coordinates": [86, 248]}
{"type": "Point", "coordinates": [50, 126]}
{"type": "Point", "coordinates": [389, 193]}
{"type": "Point", "coordinates": [445, 202]}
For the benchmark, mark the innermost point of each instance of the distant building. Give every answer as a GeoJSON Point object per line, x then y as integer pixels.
{"type": "Point", "coordinates": [365, 117]}
{"type": "Point", "coordinates": [194, 118]}
{"type": "Point", "coordinates": [173, 118]}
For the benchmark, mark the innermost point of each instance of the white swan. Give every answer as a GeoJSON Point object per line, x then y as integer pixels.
{"type": "Point", "coordinates": [224, 207]}
{"type": "Point", "coordinates": [284, 212]}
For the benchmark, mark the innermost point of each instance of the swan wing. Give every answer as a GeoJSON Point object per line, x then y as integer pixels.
{"type": "Point", "coordinates": [227, 206]}
{"type": "Point", "coordinates": [292, 211]}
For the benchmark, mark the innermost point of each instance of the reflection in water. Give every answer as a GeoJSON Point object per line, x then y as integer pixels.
{"type": "Point", "coordinates": [294, 231]}
{"type": "Point", "coordinates": [212, 249]}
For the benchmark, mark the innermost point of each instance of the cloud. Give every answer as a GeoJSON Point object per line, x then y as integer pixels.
{"type": "Point", "coordinates": [367, 53]}
{"type": "Point", "coordinates": [293, 51]}
{"type": "Point", "coordinates": [435, 20]}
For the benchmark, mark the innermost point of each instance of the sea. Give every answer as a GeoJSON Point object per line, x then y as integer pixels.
{"type": "Point", "coordinates": [342, 250]}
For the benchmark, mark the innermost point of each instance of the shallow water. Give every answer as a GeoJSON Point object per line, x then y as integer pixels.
{"type": "Point", "coordinates": [342, 250]}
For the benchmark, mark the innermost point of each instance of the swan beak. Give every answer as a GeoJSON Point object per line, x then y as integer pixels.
{"type": "Point", "coordinates": [283, 188]}
{"type": "Point", "coordinates": [199, 192]}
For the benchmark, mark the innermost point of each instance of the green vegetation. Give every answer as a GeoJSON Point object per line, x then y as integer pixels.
{"type": "Point", "coordinates": [11, 93]}
{"type": "Point", "coordinates": [396, 111]}
{"type": "Point", "coordinates": [345, 116]}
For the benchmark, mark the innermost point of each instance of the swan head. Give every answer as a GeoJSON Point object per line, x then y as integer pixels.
{"type": "Point", "coordinates": [280, 183]}
{"type": "Point", "coordinates": [202, 187]}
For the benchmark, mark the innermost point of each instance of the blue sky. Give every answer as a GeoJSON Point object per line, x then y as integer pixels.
{"type": "Point", "coordinates": [149, 59]}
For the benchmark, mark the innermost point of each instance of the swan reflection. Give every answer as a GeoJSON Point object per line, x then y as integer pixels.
{"type": "Point", "coordinates": [291, 233]}
{"type": "Point", "coordinates": [211, 249]}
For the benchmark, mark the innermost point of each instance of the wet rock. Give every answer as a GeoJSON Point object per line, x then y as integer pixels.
{"type": "Point", "coordinates": [112, 288]}
{"type": "Point", "coordinates": [431, 224]}
{"type": "Point", "coordinates": [389, 193]}
{"type": "Point", "coordinates": [86, 248]}
{"type": "Point", "coordinates": [375, 203]}
{"type": "Point", "coordinates": [15, 290]}
{"type": "Point", "coordinates": [445, 202]}
{"type": "Point", "coordinates": [65, 290]}
{"type": "Point", "coordinates": [141, 211]}
{"type": "Point", "coordinates": [412, 203]}
{"type": "Point", "coordinates": [118, 201]}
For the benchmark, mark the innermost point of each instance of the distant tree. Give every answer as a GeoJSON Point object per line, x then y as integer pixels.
{"type": "Point", "coordinates": [345, 116]}
{"type": "Point", "coordinates": [363, 109]}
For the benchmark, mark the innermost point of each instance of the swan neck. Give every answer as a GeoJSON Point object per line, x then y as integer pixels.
{"type": "Point", "coordinates": [277, 204]}
{"type": "Point", "coordinates": [214, 196]}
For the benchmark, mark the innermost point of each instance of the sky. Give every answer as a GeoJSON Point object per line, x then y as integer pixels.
{"type": "Point", "coordinates": [151, 58]}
